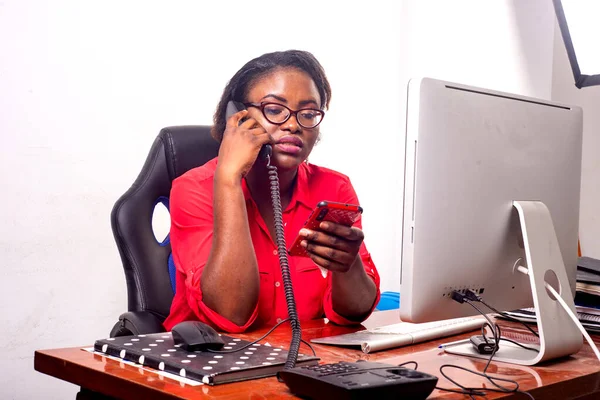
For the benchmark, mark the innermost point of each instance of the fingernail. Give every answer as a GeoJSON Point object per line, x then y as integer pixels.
{"type": "Point", "coordinates": [324, 225]}
{"type": "Point", "coordinates": [304, 232]}
{"type": "Point", "coordinates": [304, 243]}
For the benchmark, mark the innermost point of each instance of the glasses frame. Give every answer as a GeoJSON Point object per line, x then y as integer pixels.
{"type": "Point", "coordinates": [262, 106]}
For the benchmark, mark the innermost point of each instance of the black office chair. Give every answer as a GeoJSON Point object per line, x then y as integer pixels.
{"type": "Point", "coordinates": [149, 270]}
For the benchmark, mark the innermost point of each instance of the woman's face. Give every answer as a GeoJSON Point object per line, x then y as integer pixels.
{"type": "Point", "coordinates": [296, 90]}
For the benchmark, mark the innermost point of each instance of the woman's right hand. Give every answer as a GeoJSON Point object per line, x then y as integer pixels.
{"type": "Point", "coordinates": [240, 145]}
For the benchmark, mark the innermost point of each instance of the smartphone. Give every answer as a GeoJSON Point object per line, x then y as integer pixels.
{"type": "Point", "coordinates": [234, 107]}
{"type": "Point", "coordinates": [341, 213]}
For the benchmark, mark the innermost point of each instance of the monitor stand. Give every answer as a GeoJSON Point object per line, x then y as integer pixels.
{"type": "Point", "coordinates": [559, 336]}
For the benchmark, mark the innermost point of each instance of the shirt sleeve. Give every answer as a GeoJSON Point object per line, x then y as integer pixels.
{"type": "Point", "coordinates": [348, 195]}
{"type": "Point", "coordinates": [191, 207]}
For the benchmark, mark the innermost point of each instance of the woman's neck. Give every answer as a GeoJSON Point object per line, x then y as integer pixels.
{"type": "Point", "coordinates": [259, 186]}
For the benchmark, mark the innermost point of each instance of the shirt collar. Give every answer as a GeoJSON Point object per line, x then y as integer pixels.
{"type": "Point", "coordinates": [301, 192]}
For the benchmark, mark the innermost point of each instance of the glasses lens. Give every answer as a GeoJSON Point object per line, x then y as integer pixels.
{"type": "Point", "coordinates": [275, 113]}
{"type": "Point", "coordinates": [309, 118]}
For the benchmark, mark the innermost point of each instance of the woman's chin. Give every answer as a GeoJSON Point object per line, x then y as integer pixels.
{"type": "Point", "coordinates": [286, 161]}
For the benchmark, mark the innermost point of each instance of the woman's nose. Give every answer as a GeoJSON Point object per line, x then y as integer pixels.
{"type": "Point", "coordinates": [292, 124]}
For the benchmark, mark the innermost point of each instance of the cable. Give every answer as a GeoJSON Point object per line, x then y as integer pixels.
{"type": "Point", "coordinates": [497, 333]}
{"type": "Point", "coordinates": [310, 347]}
{"type": "Point", "coordinates": [472, 391]}
{"type": "Point", "coordinates": [469, 294]}
{"type": "Point", "coordinates": [574, 319]}
{"type": "Point", "coordinates": [283, 262]}
{"type": "Point", "coordinates": [510, 318]}
{"type": "Point", "coordinates": [251, 343]}
{"type": "Point", "coordinates": [259, 339]}
{"type": "Point", "coordinates": [409, 362]}
{"type": "Point", "coordinates": [497, 337]}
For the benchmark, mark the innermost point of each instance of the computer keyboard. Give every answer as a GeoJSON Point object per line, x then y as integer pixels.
{"type": "Point", "coordinates": [402, 334]}
{"type": "Point", "coordinates": [358, 380]}
{"type": "Point", "coordinates": [431, 329]}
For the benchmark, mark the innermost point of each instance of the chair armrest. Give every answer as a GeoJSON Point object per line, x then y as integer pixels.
{"type": "Point", "coordinates": [137, 323]}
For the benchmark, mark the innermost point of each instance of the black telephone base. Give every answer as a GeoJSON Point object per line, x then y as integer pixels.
{"type": "Point", "coordinates": [358, 380]}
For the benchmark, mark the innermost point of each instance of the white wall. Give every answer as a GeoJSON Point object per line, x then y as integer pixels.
{"type": "Point", "coordinates": [86, 86]}
{"type": "Point", "coordinates": [564, 90]}
{"type": "Point", "coordinates": [502, 45]}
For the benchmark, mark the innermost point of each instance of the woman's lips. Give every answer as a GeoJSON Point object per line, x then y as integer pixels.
{"type": "Point", "coordinates": [289, 144]}
{"type": "Point", "coordinates": [288, 148]}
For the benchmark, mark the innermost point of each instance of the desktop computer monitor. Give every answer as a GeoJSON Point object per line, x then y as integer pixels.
{"type": "Point", "coordinates": [470, 154]}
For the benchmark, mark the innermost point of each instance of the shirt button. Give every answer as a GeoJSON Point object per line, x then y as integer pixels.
{"type": "Point", "coordinates": [274, 252]}
{"type": "Point", "coordinates": [277, 284]}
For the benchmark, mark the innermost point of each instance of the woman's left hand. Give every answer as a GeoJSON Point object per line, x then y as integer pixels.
{"type": "Point", "coordinates": [334, 247]}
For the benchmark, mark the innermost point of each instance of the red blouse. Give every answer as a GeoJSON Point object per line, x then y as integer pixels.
{"type": "Point", "coordinates": [191, 204]}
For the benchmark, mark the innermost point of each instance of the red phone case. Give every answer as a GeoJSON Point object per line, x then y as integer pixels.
{"type": "Point", "coordinates": [341, 213]}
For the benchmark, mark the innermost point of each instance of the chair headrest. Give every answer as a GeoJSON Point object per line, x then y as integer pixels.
{"type": "Point", "coordinates": [187, 147]}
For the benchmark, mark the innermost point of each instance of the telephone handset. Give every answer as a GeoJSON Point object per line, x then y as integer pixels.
{"type": "Point", "coordinates": [234, 107]}
{"type": "Point", "coordinates": [265, 154]}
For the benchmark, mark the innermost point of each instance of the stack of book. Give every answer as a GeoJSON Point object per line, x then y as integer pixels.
{"type": "Point", "coordinates": [588, 283]}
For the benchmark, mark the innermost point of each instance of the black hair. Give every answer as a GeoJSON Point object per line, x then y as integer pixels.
{"type": "Point", "coordinates": [240, 84]}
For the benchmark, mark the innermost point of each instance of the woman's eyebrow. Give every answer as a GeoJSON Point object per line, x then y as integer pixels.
{"type": "Point", "coordinates": [274, 96]}
{"type": "Point", "coordinates": [283, 100]}
{"type": "Point", "coordinates": [308, 102]}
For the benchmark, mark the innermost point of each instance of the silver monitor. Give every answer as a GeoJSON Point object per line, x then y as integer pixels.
{"type": "Point", "coordinates": [491, 190]}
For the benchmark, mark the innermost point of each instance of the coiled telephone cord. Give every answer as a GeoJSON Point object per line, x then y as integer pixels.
{"type": "Point", "coordinates": [285, 268]}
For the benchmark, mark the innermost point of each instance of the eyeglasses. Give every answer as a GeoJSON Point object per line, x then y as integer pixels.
{"type": "Point", "coordinates": [277, 114]}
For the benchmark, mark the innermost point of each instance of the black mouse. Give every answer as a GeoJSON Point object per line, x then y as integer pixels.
{"type": "Point", "coordinates": [196, 336]}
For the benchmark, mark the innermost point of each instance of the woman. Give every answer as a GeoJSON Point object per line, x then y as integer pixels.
{"type": "Point", "coordinates": [222, 229]}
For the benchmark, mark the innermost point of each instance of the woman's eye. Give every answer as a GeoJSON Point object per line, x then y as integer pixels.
{"type": "Point", "coordinates": [273, 110]}
{"type": "Point", "coordinates": [309, 114]}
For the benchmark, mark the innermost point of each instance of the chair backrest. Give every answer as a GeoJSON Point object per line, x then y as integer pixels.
{"type": "Point", "coordinates": [176, 150]}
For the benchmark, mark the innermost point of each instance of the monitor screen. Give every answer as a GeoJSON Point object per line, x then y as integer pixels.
{"type": "Point", "coordinates": [470, 153]}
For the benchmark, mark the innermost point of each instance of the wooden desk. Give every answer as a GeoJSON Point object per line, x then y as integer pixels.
{"type": "Point", "coordinates": [575, 377]}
